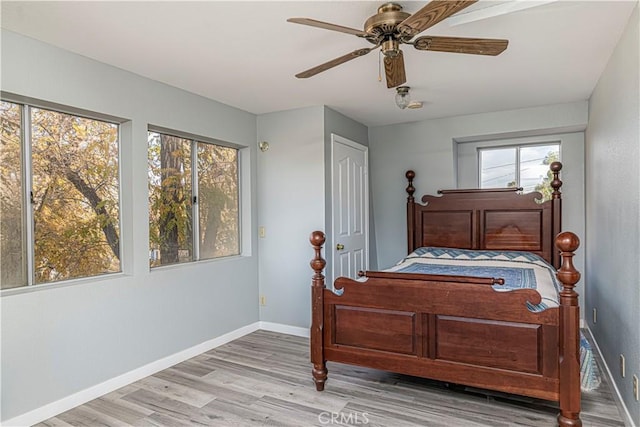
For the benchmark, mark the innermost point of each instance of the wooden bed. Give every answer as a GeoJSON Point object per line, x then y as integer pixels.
{"type": "Point", "coordinates": [458, 329]}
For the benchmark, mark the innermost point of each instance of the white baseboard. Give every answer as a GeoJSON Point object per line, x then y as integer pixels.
{"type": "Point", "coordinates": [285, 329]}
{"type": "Point", "coordinates": [628, 421]}
{"type": "Point", "coordinates": [52, 409]}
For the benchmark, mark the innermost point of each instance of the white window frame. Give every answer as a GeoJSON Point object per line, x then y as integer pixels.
{"type": "Point", "coordinates": [26, 104]}
{"type": "Point", "coordinates": [195, 214]}
{"type": "Point", "coordinates": [467, 159]}
{"type": "Point", "coordinates": [517, 147]}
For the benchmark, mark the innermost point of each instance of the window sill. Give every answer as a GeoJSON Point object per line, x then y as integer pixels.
{"type": "Point", "coordinates": [61, 284]}
{"type": "Point", "coordinates": [231, 258]}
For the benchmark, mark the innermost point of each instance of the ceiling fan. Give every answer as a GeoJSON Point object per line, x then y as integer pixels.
{"type": "Point", "coordinates": [391, 27]}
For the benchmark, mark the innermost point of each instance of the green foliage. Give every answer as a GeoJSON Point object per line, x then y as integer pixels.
{"type": "Point", "coordinates": [544, 187]}
{"type": "Point", "coordinates": [12, 250]}
{"type": "Point", "coordinates": [218, 207]}
{"type": "Point", "coordinates": [169, 199]}
{"type": "Point", "coordinates": [170, 207]}
{"type": "Point", "coordinates": [75, 196]}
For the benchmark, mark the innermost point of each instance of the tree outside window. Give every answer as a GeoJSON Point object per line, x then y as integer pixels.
{"type": "Point", "coordinates": [193, 200]}
{"type": "Point", "coordinates": [70, 228]}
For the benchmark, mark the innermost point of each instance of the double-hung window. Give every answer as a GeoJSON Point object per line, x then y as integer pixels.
{"type": "Point", "coordinates": [59, 198]}
{"type": "Point", "coordinates": [193, 199]}
{"type": "Point", "coordinates": [525, 166]}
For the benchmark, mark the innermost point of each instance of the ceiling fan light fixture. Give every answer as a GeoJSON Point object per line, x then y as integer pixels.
{"type": "Point", "coordinates": [402, 97]}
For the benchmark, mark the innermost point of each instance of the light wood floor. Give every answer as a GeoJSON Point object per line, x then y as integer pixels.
{"type": "Point", "coordinates": [264, 379]}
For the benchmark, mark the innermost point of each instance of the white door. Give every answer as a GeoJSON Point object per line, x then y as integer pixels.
{"type": "Point", "coordinates": [350, 201]}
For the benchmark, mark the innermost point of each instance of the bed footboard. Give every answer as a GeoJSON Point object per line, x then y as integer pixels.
{"type": "Point", "coordinates": [440, 328]}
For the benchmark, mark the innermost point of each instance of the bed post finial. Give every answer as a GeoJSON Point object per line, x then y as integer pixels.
{"type": "Point", "coordinates": [556, 209]}
{"type": "Point", "coordinates": [569, 415]}
{"type": "Point", "coordinates": [317, 239]}
{"type": "Point", "coordinates": [411, 212]}
{"type": "Point", "coordinates": [568, 243]}
{"type": "Point", "coordinates": [319, 370]}
{"type": "Point", "coordinates": [556, 167]}
{"type": "Point", "coordinates": [410, 189]}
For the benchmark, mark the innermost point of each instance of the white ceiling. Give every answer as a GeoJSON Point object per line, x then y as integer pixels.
{"type": "Point", "coordinates": [245, 54]}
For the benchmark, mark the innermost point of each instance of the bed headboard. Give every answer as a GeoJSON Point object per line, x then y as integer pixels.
{"type": "Point", "coordinates": [491, 219]}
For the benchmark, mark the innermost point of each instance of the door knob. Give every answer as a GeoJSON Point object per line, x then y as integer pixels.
{"type": "Point", "coordinates": [339, 247]}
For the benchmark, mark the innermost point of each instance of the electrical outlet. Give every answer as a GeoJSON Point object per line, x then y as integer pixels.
{"type": "Point", "coordinates": [622, 365]}
{"type": "Point", "coordinates": [263, 300]}
{"type": "Point", "coordinates": [595, 315]}
{"type": "Point", "coordinates": [635, 387]}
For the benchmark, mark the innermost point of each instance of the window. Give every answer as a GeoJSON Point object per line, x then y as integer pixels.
{"type": "Point", "coordinates": [193, 200]}
{"type": "Point", "coordinates": [60, 196]}
{"type": "Point", "coordinates": [525, 166]}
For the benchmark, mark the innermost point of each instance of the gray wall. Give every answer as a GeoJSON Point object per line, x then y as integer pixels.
{"type": "Point", "coordinates": [58, 340]}
{"type": "Point", "coordinates": [291, 205]}
{"type": "Point", "coordinates": [292, 202]}
{"type": "Point", "coordinates": [613, 212]}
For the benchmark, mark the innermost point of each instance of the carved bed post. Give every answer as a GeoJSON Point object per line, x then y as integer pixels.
{"type": "Point", "coordinates": [319, 370]}
{"type": "Point", "coordinates": [569, 333]}
{"type": "Point", "coordinates": [411, 212]}
{"type": "Point", "coordinates": [556, 207]}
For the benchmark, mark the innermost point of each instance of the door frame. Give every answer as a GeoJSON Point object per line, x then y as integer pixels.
{"type": "Point", "coordinates": [337, 139]}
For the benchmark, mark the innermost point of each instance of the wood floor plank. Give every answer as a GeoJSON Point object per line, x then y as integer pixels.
{"type": "Point", "coordinates": [297, 393]}
{"type": "Point", "coordinates": [88, 417]}
{"type": "Point", "coordinates": [230, 413]}
{"type": "Point", "coordinates": [207, 387]}
{"type": "Point", "coordinates": [119, 409]}
{"type": "Point", "coordinates": [264, 379]}
{"type": "Point", "coordinates": [177, 392]}
{"type": "Point", "coordinates": [163, 420]}
{"type": "Point", "coordinates": [167, 406]}
{"type": "Point", "coordinates": [193, 367]}
{"type": "Point", "coordinates": [54, 422]}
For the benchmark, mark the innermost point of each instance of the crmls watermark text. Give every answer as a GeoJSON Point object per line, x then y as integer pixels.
{"type": "Point", "coordinates": [343, 418]}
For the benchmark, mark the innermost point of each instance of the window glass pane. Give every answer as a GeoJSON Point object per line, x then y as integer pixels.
{"type": "Point", "coordinates": [74, 163]}
{"type": "Point", "coordinates": [498, 168]}
{"type": "Point", "coordinates": [13, 268]}
{"type": "Point", "coordinates": [534, 168]}
{"type": "Point", "coordinates": [218, 200]}
{"type": "Point", "coordinates": [170, 230]}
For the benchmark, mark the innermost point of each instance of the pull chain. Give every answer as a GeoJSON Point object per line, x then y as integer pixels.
{"type": "Point", "coordinates": [379, 66]}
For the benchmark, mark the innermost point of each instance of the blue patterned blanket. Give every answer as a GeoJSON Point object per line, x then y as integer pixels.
{"type": "Point", "coordinates": [520, 270]}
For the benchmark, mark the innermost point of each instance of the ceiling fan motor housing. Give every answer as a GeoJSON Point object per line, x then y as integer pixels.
{"type": "Point", "coordinates": [383, 28]}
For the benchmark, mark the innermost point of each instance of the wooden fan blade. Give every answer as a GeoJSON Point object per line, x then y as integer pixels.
{"type": "Point", "coordinates": [431, 14]}
{"type": "Point", "coordinates": [394, 70]}
{"type": "Point", "coordinates": [472, 46]}
{"type": "Point", "coordinates": [328, 26]}
{"type": "Point", "coordinates": [337, 61]}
